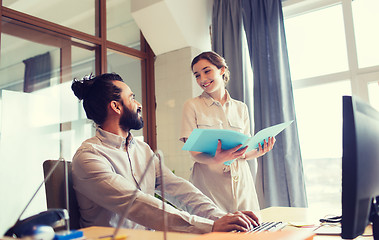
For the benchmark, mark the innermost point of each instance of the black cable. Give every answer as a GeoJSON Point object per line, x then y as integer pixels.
{"type": "Point", "coordinates": [335, 219]}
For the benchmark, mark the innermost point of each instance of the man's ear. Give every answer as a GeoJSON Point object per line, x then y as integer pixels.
{"type": "Point", "coordinates": [115, 106]}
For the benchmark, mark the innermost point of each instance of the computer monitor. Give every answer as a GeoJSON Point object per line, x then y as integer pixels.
{"type": "Point", "coordinates": [360, 168]}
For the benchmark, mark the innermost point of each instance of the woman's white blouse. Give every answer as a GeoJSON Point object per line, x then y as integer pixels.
{"type": "Point", "coordinates": [231, 188]}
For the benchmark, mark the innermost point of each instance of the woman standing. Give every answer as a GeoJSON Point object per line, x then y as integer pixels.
{"type": "Point", "coordinates": [231, 187]}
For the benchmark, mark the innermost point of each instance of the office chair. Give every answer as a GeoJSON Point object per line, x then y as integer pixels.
{"type": "Point", "coordinates": [56, 190]}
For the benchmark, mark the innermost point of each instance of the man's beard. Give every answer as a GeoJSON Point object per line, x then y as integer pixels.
{"type": "Point", "coordinates": [130, 120]}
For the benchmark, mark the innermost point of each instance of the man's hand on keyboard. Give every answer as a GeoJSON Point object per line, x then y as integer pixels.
{"type": "Point", "coordinates": [241, 221]}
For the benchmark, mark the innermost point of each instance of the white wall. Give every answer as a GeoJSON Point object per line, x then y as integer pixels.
{"type": "Point", "coordinates": [170, 25]}
{"type": "Point", "coordinates": [174, 84]}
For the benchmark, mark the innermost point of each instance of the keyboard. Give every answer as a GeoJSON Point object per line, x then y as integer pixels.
{"type": "Point", "coordinates": [269, 226]}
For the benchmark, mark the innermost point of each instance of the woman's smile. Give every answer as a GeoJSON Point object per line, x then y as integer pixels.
{"type": "Point", "coordinates": [205, 85]}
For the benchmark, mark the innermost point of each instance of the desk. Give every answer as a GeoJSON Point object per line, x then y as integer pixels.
{"type": "Point", "coordinates": [305, 216]}
{"type": "Point", "coordinates": [132, 234]}
{"type": "Point", "coordinates": [284, 214]}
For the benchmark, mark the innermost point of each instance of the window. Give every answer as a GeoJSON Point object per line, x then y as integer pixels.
{"type": "Point", "coordinates": [316, 43]}
{"type": "Point", "coordinates": [332, 52]}
{"type": "Point", "coordinates": [40, 118]}
{"type": "Point", "coordinates": [365, 13]}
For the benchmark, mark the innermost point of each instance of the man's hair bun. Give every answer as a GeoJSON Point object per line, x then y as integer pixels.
{"type": "Point", "coordinates": [82, 86]}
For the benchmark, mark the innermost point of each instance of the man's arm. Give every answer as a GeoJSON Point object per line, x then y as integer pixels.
{"type": "Point", "coordinates": [96, 179]}
{"type": "Point", "coordinates": [199, 204]}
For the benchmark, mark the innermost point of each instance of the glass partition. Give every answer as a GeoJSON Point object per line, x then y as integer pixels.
{"type": "Point", "coordinates": [130, 71]}
{"type": "Point", "coordinates": [29, 122]}
{"type": "Point", "coordinates": [44, 45]}
{"type": "Point", "coordinates": [78, 15]}
{"type": "Point", "coordinates": [119, 21]}
{"type": "Point", "coordinates": [40, 117]}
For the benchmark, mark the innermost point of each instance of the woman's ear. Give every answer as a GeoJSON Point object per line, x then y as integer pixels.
{"type": "Point", "coordinates": [222, 70]}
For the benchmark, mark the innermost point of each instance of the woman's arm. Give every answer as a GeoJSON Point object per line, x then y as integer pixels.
{"type": "Point", "coordinates": [221, 155]}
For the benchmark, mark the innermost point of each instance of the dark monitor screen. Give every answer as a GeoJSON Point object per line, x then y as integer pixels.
{"type": "Point", "coordinates": [360, 166]}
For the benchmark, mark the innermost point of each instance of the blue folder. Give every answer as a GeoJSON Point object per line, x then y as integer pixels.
{"type": "Point", "coordinates": [205, 140]}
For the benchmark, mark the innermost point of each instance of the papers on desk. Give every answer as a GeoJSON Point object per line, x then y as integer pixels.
{"type": "Point", "coordinates": [282, 235]}
{"type": "Point", "coordinates": [206, 140]}
{"type": "Point", "coordinates": [328, 229]}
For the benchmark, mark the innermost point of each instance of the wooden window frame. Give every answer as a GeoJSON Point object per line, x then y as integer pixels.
{"type": "Point", "coordinates": [101, 45]}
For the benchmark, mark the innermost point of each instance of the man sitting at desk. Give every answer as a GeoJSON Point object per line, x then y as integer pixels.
{"type": "Point", "coordinates": [107, 169]}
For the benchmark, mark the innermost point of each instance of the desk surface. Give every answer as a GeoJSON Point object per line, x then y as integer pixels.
{"type": "Point", "coordinates": [131, 234]}
{"type": "Point", "coordinates": [305, 216]}
{"type": "Point", "coordinates": [284, 214]}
